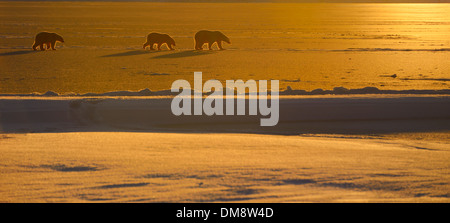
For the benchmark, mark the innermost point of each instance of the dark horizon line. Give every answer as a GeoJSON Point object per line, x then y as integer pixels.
{"type": "Point", "coordinates": [245, 1]}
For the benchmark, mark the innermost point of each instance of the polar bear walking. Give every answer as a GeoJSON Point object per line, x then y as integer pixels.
{"type": "Point", "coordinates": [49, 39]}
{"type": "Point", "coordinates": [210, 37]}
{"type": "Point", "coordinates": [159, 40]}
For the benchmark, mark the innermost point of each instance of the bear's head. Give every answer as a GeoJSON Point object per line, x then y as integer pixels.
{"type": "Point", "coordinates": [172, 42]}
{"type": "Point", "coordinates": [227, 40]}
{"type": "Point", "coordinates": [59, 38]}
{"type": "Point", "coordinates": [224, 38]}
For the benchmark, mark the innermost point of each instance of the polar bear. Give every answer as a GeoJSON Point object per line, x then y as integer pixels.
{"type": "Point", "coordinates": [49, 39]}
{"type": "Point", "coordinates": [159, 40]}
{"type": "Point", "coordinates": [210, 37]}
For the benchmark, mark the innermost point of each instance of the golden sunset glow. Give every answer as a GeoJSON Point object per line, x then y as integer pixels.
{"type": "Point", "coordinates": [94, 103]}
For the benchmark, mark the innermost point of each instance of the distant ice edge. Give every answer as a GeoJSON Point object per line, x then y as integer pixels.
{"type": "Point", "coordinates": [288, 91]}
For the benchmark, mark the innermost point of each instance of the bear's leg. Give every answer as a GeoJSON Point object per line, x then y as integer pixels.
{"type": "Point", "coordinates": [219, 44]}
{"type": "Point", "coordinates": [35, 45]}
{"type": "Point", "coordinates": [198, 45]}
{"type": "Point", "coordinates": [42, 46]}
{"type": "Point", "coordinates": [210, 45]}
{"type": "Point", "coordinates": [151, 46]}
{"type": "Point", "coordinates": [52, 44]}
{"type": "Point", "coordinates": [165, 44]}
{"type": "Point", "coordinates": [169, 46]}
{"type": "Point", "coordinates": [159, 46]}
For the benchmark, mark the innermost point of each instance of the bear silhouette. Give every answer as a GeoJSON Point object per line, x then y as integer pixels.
{"type": "Point", "coordinates": [210, 37]}
{"type": "Point", "coordinates": [49, 39]}
{"type": "Point", "coordinates": [159, 40]}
